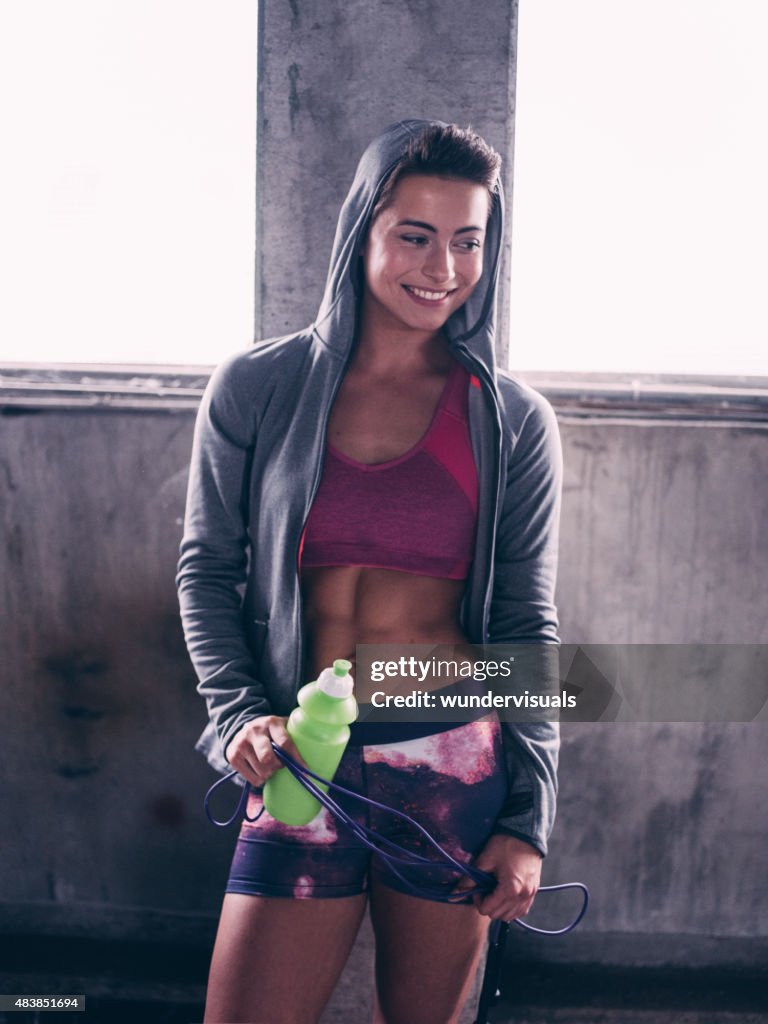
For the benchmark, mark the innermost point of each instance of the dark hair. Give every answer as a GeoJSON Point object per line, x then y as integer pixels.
{"type": "Point", "coordinates": [446, 151]}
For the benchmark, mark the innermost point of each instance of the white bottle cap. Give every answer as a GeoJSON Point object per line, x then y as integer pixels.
{"type": "Point", "coordinates": [336, 681]}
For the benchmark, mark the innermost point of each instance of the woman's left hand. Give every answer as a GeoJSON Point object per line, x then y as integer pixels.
{"type": "Point", "coordinates": [517, 867]}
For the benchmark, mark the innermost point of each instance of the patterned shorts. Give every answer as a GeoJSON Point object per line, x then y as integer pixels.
{"type": "Point", "coordinates": [452, 782]}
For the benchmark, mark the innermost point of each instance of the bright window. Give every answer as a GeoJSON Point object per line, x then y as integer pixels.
{"type": "Point", "coordinates": [127, 181]}
{"type": "Point", "coordinates": [640, 215]}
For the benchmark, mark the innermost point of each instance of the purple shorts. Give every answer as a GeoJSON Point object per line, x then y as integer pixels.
{"type": "Point", "coordinates": [453, 782]}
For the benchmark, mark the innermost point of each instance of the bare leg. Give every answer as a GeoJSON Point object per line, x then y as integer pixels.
{"type": "Point", "coordinates": [427, 955]}
{"type": "Point", "coordinates": [276, 961]}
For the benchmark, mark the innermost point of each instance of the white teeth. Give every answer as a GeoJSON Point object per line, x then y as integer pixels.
{"type": "Point", "coordinates": [422, 294]}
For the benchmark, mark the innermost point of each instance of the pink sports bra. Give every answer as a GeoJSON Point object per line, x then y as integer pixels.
{"type": "Point", "coordinates": [416, 513]}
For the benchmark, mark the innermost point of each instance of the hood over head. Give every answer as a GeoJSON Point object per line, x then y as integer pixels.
{"type": "Point", "coordinates": [472, 326]}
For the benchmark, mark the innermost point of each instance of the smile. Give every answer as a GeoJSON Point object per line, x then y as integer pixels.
{"type": "Point", "coordinates": [428, 296]}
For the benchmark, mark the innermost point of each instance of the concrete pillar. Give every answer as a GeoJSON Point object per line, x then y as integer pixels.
{"type": "Point", "coordinates": [332, 75]}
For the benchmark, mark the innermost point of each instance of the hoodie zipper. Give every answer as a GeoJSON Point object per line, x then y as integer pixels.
{"type": "Point", "coordinates": [481, 372]}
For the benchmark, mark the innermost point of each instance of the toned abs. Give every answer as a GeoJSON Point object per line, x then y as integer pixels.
{"type": "Point", "coordinates": [373, 421]}
{"type": "Point", "coordinates": [349, 605]}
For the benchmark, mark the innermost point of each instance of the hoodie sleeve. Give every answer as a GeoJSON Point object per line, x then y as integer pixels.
{"type": "Point", "coordinates": [523, 613]}
{"type": "Point", "coordinates": [214, 554]}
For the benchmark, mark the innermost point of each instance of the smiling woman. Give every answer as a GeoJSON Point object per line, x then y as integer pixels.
{"type": "Point", "coordinates": [416, 489]}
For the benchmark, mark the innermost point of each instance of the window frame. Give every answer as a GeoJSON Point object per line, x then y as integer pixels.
{"type": "Point", "coordinates": [177, 388]}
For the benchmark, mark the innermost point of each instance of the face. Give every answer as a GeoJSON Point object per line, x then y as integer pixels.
{"type": "Point", "coordinates": [424, 252]}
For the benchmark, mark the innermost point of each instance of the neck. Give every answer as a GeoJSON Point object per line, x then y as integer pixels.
{"type": "Point", "coordinates": [384, 344]}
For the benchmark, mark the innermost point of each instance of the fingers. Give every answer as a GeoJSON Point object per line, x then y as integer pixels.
{"type": "Point", "coordinates": [279, 735]}
{"type": "Point", "coordinates": [511, 897]}
{"type": "Point", "coordinates": [505, 905]}
{"type": "Point", "coordinates": [249, 770]}
{"type": "Point", "coordinates": [517, 868]}
{"type": "Point", "coordinates": [464, 885]}
{"type": "Point", "coordinates": [250, 752]}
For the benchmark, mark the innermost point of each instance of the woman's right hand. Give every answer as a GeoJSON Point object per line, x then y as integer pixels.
{"type": "Point", "coordinates": [250, 751]}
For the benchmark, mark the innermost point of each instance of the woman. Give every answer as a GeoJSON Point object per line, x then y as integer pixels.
{"type": "Point", "coordinates": [373, 479]}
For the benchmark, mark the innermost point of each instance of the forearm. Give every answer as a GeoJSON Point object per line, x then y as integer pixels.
{"type": "Point", "coordinates": [213, 561]}
{"type": "Point", "coordinates": [226, 669]}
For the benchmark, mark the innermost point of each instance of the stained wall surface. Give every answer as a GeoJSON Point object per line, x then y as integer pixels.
{"type": "Point", "coordinates": [102, 789]}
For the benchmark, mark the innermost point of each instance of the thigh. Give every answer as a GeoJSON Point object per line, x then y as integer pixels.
{"type": "Point", "coordinates": [427, 955]}
{"type": "Point", "coordinates": [276, 961]}
{"type": "Point", "coordinates": [427, 952]}
{"type": "Point", "coordinates": [295, 898]}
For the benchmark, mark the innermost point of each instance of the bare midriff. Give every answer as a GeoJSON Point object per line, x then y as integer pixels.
{"type": "Point", "coordinates": [349, 605]}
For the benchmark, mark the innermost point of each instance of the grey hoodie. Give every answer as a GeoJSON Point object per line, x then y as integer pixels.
{"type": "Point", "coordinates": [256, 463]}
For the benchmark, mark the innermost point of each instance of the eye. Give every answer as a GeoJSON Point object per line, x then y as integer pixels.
{"type": "Point", "coordinates": [469, 244]}
{"type": "Point", "coordinates": [415, 239]}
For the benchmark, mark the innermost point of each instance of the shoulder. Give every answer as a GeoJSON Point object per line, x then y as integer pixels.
{"type": "Point", "coordinates": [531, 457]}
{"type": "Point", "coordinates": [248, 369]}
{"type": "Point", "coordinates": [242, 384]}
{"type": "Point", "coordinates": [527, 416]}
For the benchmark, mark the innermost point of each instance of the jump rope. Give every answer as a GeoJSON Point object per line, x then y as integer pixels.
{"type": "Point", "coordinates": [397, 857]}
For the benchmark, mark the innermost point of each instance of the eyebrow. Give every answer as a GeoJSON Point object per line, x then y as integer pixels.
{"type": "Point", "coordinates": [429, 227]}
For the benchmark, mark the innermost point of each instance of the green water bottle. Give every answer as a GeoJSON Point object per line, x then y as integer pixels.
{"type": "Point", "coordinates": [319, 727]}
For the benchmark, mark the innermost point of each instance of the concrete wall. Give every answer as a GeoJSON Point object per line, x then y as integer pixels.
{"type": "Point", "coordinates": [101, 796]}
{"type": "Point", "coordinates": [101, 791]}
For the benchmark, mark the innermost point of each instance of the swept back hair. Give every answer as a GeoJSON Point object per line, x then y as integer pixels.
{"type": "Point", "coordinates": [446, 151]}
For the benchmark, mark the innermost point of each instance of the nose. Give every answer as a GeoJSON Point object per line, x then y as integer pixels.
{"type": "Point", "coordinates": [438, 264]}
